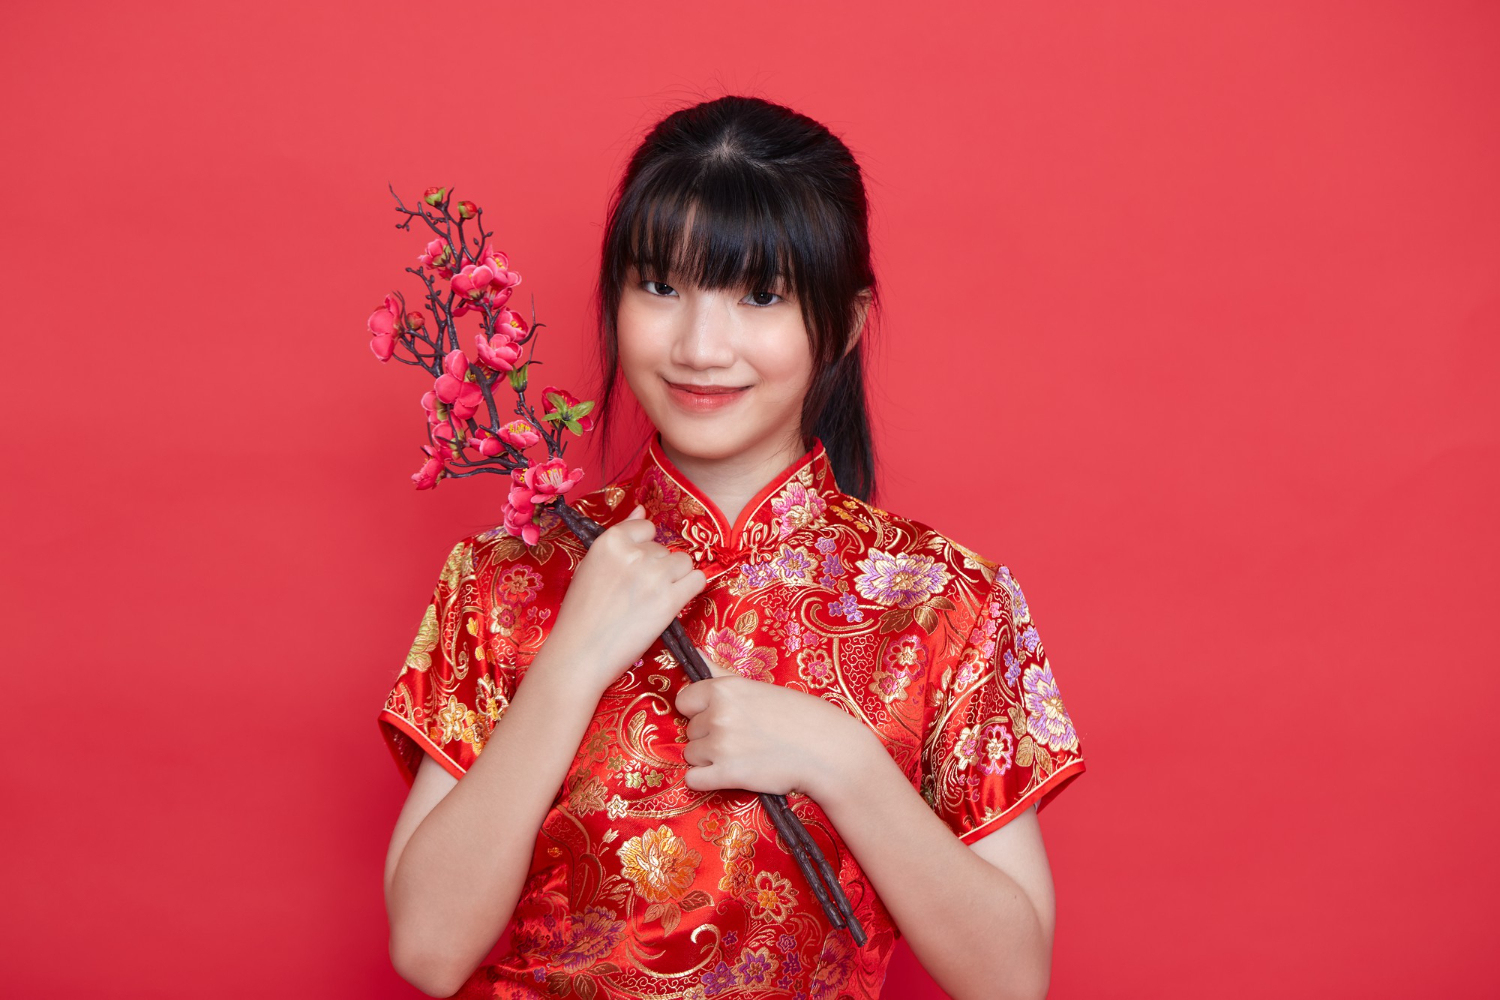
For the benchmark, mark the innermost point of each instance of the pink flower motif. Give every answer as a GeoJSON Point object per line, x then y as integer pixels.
{"type": "Point", "coordinates": [735, 652]}
{"type": "Point", "coordinates": [383, 324]}
{"type": "Point", "coordinates": [499, 352]}
{"type": "Point", "coordinates": [452, 388]}
{"type": "Point", "coordinates": [549, 405]}
{"type": "Point", "coordinates": [440, 257]}
{"type": "Point", "coordinates": [551, 478]}
{"type": "Point", "coordinates": [519, 433]}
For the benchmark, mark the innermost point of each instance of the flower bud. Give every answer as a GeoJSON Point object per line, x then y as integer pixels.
{"type": "Point", "coordinates": [467, 210]}
{"type": "Point", "coordinates": [435, 196]}
{"type": "Point", "coordinates": [415, 320]}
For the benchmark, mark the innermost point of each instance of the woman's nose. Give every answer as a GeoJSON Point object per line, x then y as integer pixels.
{"type": "Point", "coordinates": [706, 337]}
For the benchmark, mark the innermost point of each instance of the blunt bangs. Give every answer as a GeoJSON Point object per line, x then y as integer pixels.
{"type": "Point", "coordinates": [723, 227]}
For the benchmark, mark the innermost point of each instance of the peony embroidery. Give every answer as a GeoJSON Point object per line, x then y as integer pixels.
{"type": "Point", "coordinates": [659, 864]}
{"type": "Point", "coordinates": [1046, 718]}
{"type": "Point", "coordinates": [898, 578]}
{"type": "Point", "coordinates": [592, 935]}
{"type": "Point", "coordinates": [795, 507]}
{"type": "Point", "coordinates": [733, 651]}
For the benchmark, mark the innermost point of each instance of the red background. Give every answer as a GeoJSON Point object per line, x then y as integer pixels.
{"type": "Point", "coordinates": [1215, 285]}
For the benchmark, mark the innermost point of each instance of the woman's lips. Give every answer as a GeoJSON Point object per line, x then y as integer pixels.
{"type": "Point", "coordinates": [702, 399]}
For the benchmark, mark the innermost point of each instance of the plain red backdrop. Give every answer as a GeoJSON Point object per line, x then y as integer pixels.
{"type": "Point", "coordinates": [1219, 281]}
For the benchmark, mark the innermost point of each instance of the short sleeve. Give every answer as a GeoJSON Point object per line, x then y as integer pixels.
{"type": "Point", "coordinates": [997, 737]}
{"type": "Point", "coordinates": [447, 697]}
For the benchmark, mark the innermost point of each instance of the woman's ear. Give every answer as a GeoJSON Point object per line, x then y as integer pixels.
{"type": "Point", "coordinates": [861, 309]}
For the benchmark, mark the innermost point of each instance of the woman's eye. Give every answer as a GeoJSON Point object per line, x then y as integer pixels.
{"type": "Point", "coordinates": [758, 296]}
{"type": "Point", "coordinates": [648, 286]}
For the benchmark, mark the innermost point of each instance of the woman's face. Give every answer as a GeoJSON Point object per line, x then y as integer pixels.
{"type": "Point", "coordinates": [719, 373]}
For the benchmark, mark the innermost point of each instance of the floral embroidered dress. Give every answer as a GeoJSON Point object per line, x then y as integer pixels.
{"type": "Point", "coordinates": [642, 887]}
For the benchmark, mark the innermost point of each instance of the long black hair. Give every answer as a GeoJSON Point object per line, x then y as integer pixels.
{"type": "Point", "coordinates": [775, 198]}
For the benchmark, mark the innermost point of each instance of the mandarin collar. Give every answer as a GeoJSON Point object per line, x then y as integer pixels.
{"type": "Point", "coordinates": [795, 501]}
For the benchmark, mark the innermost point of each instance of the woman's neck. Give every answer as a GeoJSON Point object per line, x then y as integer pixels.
{"type": "Point", "coordinates": [731, 482]}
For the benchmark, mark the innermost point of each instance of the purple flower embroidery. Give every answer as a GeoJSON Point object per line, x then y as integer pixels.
{"type": "Point", "coordinates": [902, 579]}
{"type": "Point", "coordinates": [754, 968]}
{"type": "Point", "coordinates": [1012, 668]}
{"type": "Point", "coordinates": [1029, 639]}
{"type": "Point", "coordinates": [758, 574]}
{"type": "Point", "coordinates": [848, 607]}
{"type": "Point", "coordinates": [1046, 718]}
{"type": "Point", "coordinates": [793, 565]}
{"type": "Point", "coordinates": [719, 980]}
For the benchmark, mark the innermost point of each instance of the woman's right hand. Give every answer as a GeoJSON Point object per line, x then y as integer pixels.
{"type": "Point", "coordinates": [625, 592]}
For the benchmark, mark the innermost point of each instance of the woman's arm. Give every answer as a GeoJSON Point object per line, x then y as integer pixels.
{"type": "Point", "coordinates": [980, 918]}
{"type": "Point", "coordinates": [461, 849]}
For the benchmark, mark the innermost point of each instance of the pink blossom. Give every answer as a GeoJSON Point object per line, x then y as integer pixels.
{"type": "Point", "coordinates": [452, 388]}
{"type": "Point", "coordinates": [551, 478]}
{"type": "Point", "coordinates": [521, 494]}
{"type": "Point", "coordinates": [499, 352]}
{"type": "Point", "coordinates": [488, 444]}
{"type": "Point", "coordinates": [499, 265]}
{"type": "Point", "coordinates": [440, 257]}
{"type": "Point", "coordinates": [477, 285]}
{"type": "Point", "coordinates": [432, 470]}
{"type": "Point", "coordinates": [383, 324]}
{"type": "Point", "coordinates": [519, 433]}
{"type": "Point", "coordinates": [511, 320]}
{"type": "Point", "coordinates": [430, 404]}
{"type": "Point", "coordinates": [445, 436]}
{"type": "Point", "coordinates": [519, 510]}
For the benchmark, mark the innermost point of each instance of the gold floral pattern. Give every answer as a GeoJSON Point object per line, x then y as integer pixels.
{"type": "Point", "coordinates": [641, 887]}
{"type": "Point", "coordinates": [659, 863]}
{"type": "Point", "coordinates": [772, 897]}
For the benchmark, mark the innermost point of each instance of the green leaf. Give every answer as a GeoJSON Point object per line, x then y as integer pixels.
{"type": "Point", "coordinates": [573, 426]}
{"type": "Point", "coordinates": [583, 408]}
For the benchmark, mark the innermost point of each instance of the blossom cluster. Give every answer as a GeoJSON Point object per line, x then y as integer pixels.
{"type": "Point", "coordinates": [468, 431]}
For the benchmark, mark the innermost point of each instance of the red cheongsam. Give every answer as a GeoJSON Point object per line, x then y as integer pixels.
{"type": "Point", "coordinates": [642, 887]}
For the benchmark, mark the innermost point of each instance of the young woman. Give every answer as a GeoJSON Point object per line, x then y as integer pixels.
{"type": "Point", "coordinates": [885, 678]}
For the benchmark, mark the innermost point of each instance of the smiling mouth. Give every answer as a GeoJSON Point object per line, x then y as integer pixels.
{"type": "Point", "coordinates": [706, 390]}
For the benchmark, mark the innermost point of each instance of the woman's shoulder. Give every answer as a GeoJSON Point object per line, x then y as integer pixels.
{"type": "Point", "coordinates": [493, 552]}
{"type": "Point", "coordinates": [909, 560]}
{"type": "Point", "coordinates": [908, 535]}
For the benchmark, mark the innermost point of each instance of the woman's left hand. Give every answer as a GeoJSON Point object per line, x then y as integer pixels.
{"type": "Point", "coordinates": [762, 737]}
